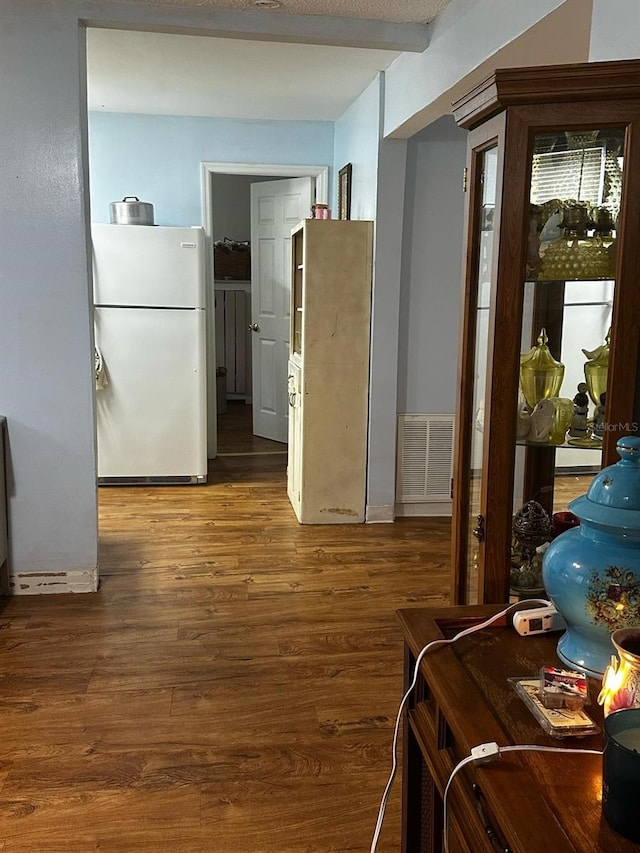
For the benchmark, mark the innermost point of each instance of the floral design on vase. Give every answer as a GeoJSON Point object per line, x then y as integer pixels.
{"type": "Point", "coordinates": [614, 600]}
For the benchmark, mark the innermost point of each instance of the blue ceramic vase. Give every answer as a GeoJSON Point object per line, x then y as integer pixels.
{"type": "Point", "coordinates": [592, 573]}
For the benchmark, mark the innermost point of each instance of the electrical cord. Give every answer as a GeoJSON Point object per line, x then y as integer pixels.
{"type": "Point", "coordinates": [405, 699]}
{"type": "Point", "coordinates": [487, 752]}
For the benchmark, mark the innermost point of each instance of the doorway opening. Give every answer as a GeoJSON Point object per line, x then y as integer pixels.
{"type": "Point", "coordinates": [222, 437]}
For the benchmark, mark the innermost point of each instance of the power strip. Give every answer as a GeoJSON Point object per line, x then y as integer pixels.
{"type": "Point", "coordinates": [538, 620]}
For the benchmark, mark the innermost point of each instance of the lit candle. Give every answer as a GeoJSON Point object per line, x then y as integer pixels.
{"type": "Point", "coordinates": [630, 739]}
{"type": "Point", "coordinates": [614, 695]}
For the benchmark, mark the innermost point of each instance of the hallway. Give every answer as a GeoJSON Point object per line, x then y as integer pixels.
{"type": "Point", "coordinates": [231, 688]}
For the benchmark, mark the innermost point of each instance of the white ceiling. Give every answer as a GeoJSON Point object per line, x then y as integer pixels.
{"type": "Point", "coordinates": [161, 73]}
{"type": "Point", "coordinates": [399, 11]}
{"type": "Point", "coordinates": [135, 72]}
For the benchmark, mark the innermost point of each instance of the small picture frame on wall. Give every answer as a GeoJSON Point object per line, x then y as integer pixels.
{"type": "Point", "coordinates": [344, 192]}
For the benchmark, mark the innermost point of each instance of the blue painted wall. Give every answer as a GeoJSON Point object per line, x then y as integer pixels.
{"type": "Point", "coordinates": [157, 158]}
{"type": "Point", "coordinates": [432, 270]}
{"type": "Point", "coordinates": [357, 139]}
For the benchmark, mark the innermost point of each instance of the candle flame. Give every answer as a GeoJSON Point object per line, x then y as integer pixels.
{"type": "Point", "coordinates": [612, 681]}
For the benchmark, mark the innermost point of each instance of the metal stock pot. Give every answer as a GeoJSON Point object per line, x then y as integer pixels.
{"type": "Point", "coordinates": [131, 211]}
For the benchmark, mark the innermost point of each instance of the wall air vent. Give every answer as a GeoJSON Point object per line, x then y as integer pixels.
{"type": "Point", "coordinates": [425, 458]}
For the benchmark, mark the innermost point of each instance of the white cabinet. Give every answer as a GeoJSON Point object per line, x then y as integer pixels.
{"type": "Point", "coordinates": [329, 370]}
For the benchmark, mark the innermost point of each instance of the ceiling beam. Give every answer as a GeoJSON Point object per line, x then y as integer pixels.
{"type": "Point", "coordinates": [274, 26]}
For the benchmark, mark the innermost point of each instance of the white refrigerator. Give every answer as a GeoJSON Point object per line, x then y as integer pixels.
{"type": "Point", "coordinates": [149, 320]}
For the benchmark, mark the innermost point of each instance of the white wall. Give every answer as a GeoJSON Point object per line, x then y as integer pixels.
{"type": "Point", "coordinates": [356, 141]}
{"type": "Point", "coordinates": [431, 290]}
{"type": "Point", "coordinates": [472, 38]}
{"type": "Point", "coordinates": [378, 194]}
{"type": "Point", "coordinates": [46, 355]}
{"type": "Point", "coordinates": [384, 331]}
{"type": "Point", "coordinates": [615, 30]}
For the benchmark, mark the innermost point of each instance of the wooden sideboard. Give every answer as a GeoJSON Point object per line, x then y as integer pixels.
{"type": "Point", "coordinates": [521, 802]}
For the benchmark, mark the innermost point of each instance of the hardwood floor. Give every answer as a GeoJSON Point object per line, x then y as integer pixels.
{"type": "Point", "coordinates": [235, 433]}
{"type": "Point", "coordinates": [231, 688]}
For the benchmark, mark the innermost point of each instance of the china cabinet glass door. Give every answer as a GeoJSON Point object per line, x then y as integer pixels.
{"type": "Point", "coordinates": [575, 190]}
{"type": "Point", "coordinates": [549, 376]}
{"type": "Point", "coordinates": [483, 210]}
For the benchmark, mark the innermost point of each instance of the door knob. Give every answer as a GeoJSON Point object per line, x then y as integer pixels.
{"type": "Point", "coordinates": [254, 327]}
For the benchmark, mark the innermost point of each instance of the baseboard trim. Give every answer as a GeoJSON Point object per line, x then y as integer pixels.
{"type": "Point", "coordinates": [436, 509]}
{"type": "Point", "coordinates": [46, 583]}
{"type": "Point", "coordinates": [379, 514]}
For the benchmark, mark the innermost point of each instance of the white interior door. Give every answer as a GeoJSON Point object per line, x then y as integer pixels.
{"type": "Point", "coordinates": [276, 207]}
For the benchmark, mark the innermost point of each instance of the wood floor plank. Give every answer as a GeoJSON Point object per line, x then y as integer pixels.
{"type": "Point", "coordinates": [310, 815]}
{"type": "Point", "coordinates": [101, 808]}
{"type": "Point", "coordinates": [32, 727]}
{"type": "Point", "coordinates": [231, 687]}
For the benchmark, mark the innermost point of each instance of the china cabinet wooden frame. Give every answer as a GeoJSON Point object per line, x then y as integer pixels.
{"type": "Point", "coordinates": [507, 115]}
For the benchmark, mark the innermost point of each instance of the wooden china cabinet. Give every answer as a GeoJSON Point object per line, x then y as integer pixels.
{"type": "Point", "coordinates": [552, 270]}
